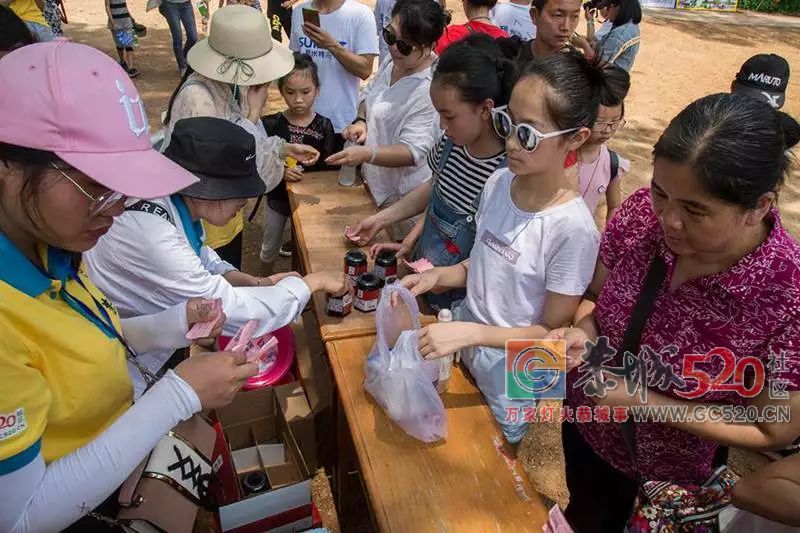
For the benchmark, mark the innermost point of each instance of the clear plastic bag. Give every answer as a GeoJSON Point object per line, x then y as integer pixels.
{"type": "Point", "coordinates": [397, 376]}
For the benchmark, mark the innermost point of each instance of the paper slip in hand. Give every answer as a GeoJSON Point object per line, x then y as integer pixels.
{"type": "Point", "coordinates": [265, 355]}
{"type": "Point", "coordinates": [348, 235]}
{"type": "Point", "coordinates": [241, 340]}
{"type": "Point", "coordinates": [420, 265]}
{"type": "Point", "coordinates": [202, 330]}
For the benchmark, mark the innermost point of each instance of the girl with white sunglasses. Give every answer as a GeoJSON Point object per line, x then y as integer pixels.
{"type": "Point", "coordinates": [536, 242]}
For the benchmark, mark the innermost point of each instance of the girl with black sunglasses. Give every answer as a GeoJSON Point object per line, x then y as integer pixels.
{"type": "Point", "coordinates": [396, 124]}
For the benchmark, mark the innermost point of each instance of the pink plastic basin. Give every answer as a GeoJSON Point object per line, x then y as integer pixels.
{"type": "Point", "coordinates": [279, 373]}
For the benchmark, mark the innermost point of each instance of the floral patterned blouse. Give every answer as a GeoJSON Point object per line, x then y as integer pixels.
{"type": "Point", "coordinates": [752, 308]}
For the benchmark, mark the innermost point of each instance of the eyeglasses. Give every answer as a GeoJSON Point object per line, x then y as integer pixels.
{"type": "Point", "coordinates": [391, 39]}
{"type": "Point", "coordinates": [613, 124]}
{"type": "Point", "coordinates": [100, 204]}
{"type": "Point", "coordinates": [527, 136]}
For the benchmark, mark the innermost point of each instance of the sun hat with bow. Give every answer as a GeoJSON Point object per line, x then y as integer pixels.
{"type": "Point", "coordinates": [240, 49]}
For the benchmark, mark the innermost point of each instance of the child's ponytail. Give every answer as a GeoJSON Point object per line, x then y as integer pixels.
{"type": "Point", "coordinates": [478, 69]}
{"type": "Point", "coordinates": [578, 87]}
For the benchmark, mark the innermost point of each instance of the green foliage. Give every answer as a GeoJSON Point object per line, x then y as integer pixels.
{"type": "Point", "coordinates": [790, 7]}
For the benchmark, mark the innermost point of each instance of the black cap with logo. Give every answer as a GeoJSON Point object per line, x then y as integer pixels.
{"type": "Point", "coordinates": [221, 154]}
{"type": "Point", "coordinates": [764, 77]}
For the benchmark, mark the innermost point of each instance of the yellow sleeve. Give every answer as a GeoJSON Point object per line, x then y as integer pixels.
{"type": "Point", "coordinates": [24, 401]}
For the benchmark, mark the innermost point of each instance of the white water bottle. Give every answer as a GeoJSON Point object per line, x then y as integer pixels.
{"type": "Point", "coordinates": [348, 176]}
{"type": "Point", "coordinates": [446, 362]}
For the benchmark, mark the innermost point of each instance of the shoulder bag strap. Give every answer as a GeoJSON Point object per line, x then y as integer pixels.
{"type": "Point", "coordinates": [633, 332]}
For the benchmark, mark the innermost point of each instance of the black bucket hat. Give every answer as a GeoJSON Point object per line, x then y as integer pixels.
{"type": "Point", "coordinates": [221, 154]}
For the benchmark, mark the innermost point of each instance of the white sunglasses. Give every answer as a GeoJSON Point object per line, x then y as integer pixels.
{"type": "Point", "coordinates": [527, 136]}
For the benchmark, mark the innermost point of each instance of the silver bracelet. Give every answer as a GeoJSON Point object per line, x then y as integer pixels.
{"type": "Point", "coordinates": [374, 154]}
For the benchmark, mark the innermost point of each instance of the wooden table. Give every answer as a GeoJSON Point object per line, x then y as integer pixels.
{"type": "Point", "coordinates": [461, 484]}
{"type": "Point", "coordinates": [320, 210]}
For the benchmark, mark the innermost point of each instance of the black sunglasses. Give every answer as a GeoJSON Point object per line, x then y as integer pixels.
{"type": "Point", "coordinates": [391, 39]}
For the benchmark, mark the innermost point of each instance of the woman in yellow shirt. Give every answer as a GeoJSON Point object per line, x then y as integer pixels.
{"type": "Point", "coordinates": [69, 435]}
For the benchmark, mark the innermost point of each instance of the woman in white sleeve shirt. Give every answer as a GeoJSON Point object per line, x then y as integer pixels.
{"type": "Point", "coordinates": [69, 435]}
{"type": "Point", "coordinates": [397, 123]}
{"type": "Point", "coordinates": [154, 255]}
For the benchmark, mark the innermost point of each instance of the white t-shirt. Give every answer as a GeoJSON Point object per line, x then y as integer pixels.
{"type": "Point", "coordinates": [519, 256]}
{"type": "Point", "coordinates": [383, 16]}
{"type": "Point", "coordinates": [401, 113]}
{"type": "Point", "coordinates": [514, 19]}
{"type": "Point", "coordinates": [353, 25]}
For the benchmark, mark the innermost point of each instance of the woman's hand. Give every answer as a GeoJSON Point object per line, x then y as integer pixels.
{"type": "Point", "coordinates": [400, 249]}
{"type": "Point", "coordinates": [216, 377]}
{"type": "Point", "coordinates": [293, 174]}
{"type": "Point", "coordinates": [307, 155]}
{"type": "Point", "coordinates": [256, 99]}
{"type": "Point", "coordinates": [365, 230]}
{"type": "Point", "coordinates": [333, 282]}
{"type": "Point", "coordinates": [421, 283]}
{"type": "Point", "coordinates": [445, 338]}
{"type": "Point", "coordinates": [351, 156]}
{"type": "Point", "coordinates": [319, 36]}
{"type": "Point", "coordinates": [575, 339]}
{"type": "Point", "coordinates": [356, 133]}
{"type": "Point", "coordinates": [202, 310]}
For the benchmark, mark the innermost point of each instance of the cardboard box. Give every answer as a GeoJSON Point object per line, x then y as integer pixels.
{"type": "Point", "coordinates": [315, 374]}
{"type": "Point", "coordinates": [270, 431]}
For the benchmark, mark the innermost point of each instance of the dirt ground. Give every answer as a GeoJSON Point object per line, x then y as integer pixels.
{"type": "Point", "coordinates": [683, 55]}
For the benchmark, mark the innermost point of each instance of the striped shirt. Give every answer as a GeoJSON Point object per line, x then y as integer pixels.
{"type": "Point", "coordinates": [463, 176]}
{"type": "Point", "coordinates": [120, 17]}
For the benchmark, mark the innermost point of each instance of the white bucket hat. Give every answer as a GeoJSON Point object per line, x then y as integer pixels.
{"type": "Point", "coordinates": [240, 50]}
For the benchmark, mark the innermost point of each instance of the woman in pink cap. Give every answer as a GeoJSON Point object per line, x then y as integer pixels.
{"type": "Point", "coordinates": [73, 146]}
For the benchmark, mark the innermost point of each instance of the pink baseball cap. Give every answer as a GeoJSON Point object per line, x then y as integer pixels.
{"type": "Point", "coordinates": [77, 102]}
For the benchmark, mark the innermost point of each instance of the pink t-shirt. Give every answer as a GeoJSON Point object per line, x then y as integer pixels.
{"type": "Point", "coordinates": [595, 176]}
{"type": "Point", "coordinates": [752, 308]}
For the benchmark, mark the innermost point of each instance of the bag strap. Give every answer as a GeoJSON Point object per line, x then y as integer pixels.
{"type": "Point", "coordinates": [614, 164]}
{"type": "Point", "coordinates": [633, 333]}
{"type": "Point", "coordinates": [623, 49]}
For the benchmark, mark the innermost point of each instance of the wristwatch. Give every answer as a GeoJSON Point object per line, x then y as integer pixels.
{"type": "Point", "coordinates": [359, 119]}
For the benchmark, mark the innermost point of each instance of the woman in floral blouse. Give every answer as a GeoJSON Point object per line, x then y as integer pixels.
{"type": "Point", "coordinates": [732, 281]}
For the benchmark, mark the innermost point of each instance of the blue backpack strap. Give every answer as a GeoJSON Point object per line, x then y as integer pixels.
{"type": "Point", "coordinates": [614, 164]}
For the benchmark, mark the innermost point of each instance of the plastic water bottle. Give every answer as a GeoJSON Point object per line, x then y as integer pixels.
{"type": "Point", "coordinates": [446, 362]}
{"type": "Point", "coordinates": [348, 175]}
